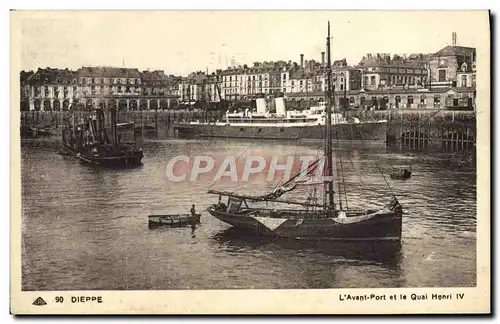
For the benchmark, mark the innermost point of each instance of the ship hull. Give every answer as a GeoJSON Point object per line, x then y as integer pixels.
{"type": "Point", "coordinates": [117, 161]}
{"type": "Point", "coordinates": [384, 226]}
{"type": "Point", "coordinates": [366, 131]}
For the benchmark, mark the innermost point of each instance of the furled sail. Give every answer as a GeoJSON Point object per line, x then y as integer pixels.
{"type": "Point", "coordinates": [291, 184]}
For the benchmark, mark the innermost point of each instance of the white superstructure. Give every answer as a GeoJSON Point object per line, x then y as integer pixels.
{"type": "Point", "coordinates": [314, 116]}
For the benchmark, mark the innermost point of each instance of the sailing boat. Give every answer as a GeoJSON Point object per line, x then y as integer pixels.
{"type": "Point", "coordinates": [326, 221]}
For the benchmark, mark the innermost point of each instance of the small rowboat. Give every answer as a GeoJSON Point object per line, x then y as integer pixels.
{"type": "Point", "coordinates": [401, 172]}
{"type": "Point", "coordinates": [178, 220]}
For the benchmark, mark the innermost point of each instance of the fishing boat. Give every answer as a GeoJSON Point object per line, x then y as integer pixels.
{"type": "Point", "coordinates": [401, 172]}
{"type": "Point", "coordinates": [89, 141]}
{"type": "Point", "coordinates": [310, 220]}
{"type": "Point", "coordinates": [177, 220]}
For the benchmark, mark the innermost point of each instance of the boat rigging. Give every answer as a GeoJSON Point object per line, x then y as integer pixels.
{"type": "Point", "coordinates": [312, 220]}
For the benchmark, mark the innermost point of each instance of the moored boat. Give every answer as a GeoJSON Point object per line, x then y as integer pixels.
{"type": "Point", "coordinates": [174, 220]}
{"type": "Point", "coordinates": [330, 220]}
{"type": "Point", "coordinates": [401, 172]}
{"type": "Point", "coordinates": [295, 125]}
{"type": "Point", "coordinates": [89, 142]}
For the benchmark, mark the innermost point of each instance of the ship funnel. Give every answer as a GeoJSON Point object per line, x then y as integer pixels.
{"type": "Point", "coordinates": [280, 106]}
{"type": "Point", "coordinates": [261, 105]}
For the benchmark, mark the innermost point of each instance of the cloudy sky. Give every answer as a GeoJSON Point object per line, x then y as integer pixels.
{"type": "Point", "coordinates": [179, 42]}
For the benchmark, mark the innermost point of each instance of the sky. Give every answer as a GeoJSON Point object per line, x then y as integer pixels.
{"type": "Point", "coordinates": [179, 42]}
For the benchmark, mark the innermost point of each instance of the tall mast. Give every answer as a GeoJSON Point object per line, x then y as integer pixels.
{"type": "Point", "coordinates": [328, 142]}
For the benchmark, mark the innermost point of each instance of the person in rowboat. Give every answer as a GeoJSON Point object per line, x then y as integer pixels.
{"type": "Point", "coordinates": [193, 217]}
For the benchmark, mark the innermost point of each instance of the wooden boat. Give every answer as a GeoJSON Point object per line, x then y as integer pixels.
{"type": "Point", "coordinates": [401, 172]}
{"type": "Point", "coordinates": [89, 141]}
{"type": "Point", "coordinates": [177, 220]}
{"type": "Point", "coordinates": [330, 220]}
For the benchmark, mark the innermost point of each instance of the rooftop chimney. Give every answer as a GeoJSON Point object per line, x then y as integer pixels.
{"type": "Point", "coordinates": [323, 58]}
{"type": "Point", "coordinates": [302, 60]}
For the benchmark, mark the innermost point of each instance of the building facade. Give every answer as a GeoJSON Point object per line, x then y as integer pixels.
{"type": "Point", "coordinates": [460, 98]}
{"type": "Point", "coordinates": [446, 78]}
{"type": "Point", "coordinates": [381, 71]}
{"type": "Point", "coordinates": [450, 66]}
{"type": "Point", "coordinates": [89, 87]}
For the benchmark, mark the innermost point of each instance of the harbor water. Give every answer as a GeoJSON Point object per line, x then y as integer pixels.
{"type": "Point", "coordinates": [86, 228]}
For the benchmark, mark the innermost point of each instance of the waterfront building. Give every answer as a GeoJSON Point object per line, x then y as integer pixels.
{"type": "Point", "coordinates": [381, 71]}
{"type": "Point", "coordinates": [154, 92]}
{"type": "Point", "coordinates": [446, 78]}
{"type": "Point", "coordinates": [173, 89]}
{"type": "Point", "coordinates": [453, 66]}
{"type": "Point", "coordinates": [199, 86]}
{"type": "Point", "coordinates": [49, 89]}
{"type": "Point", "coordinates": [345, 77]}
{"type": "Point", "coordinates": [125, 88]}
{"type": "Point", "coordinates": [247, 82]}
{"type": "Point", "coordinates": [459, 98]}
{"type": "Point", "coordinates": [301, 80]}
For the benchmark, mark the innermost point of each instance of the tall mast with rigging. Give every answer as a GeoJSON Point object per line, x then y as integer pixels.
{"type": "Point", "coordinates": [328, 136]}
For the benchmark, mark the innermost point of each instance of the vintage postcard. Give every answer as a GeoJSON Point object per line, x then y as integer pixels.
{"type": "Point", "coordinates": [250, 162]}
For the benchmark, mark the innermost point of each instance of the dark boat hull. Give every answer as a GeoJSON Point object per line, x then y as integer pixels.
{"type": "Point", "coordinates": [172, 220]}
{"type": "Point", "coordinates": [366, 131]}
{"type": "Point", "coordinates": [401, 175]}
{"type": "Point", "coordinates": [117, 161]}
{"type": "Point", "coordinates": [384, 226]}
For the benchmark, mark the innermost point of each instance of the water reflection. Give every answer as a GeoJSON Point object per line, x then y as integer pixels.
{"type": "Point", "coordinates": [386, 253]}
{"type": "Point", "coordinates": [87, 227]}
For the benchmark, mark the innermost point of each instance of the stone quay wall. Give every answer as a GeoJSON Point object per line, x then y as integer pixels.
{"type": "Point", "coordinates": [416, 130]}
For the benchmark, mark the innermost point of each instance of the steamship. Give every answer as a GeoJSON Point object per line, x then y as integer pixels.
{"type": "Point", "coordinates": [283, 124]}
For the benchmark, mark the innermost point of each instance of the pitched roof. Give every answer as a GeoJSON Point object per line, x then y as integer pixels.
{"type": "Point", "coordinates": [455, 50]}
{"type": "Point", "coordinates": [156, 77]}
{"type": "Point", "coordinates": [340, 63]}
{"type": "Point", "coordinates": [300, 74]}
{"type": "Point", "coordinates": [107, 71]}
{"type": "Point", "coordinates": [50, 76]}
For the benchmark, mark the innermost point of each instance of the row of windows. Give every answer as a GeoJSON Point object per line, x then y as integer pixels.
{"type": "Point", "coordinates": [93, 87]}
{"type": "Point", "coordinates": [464, 81]}
{"type": "Point", "coordinates": [106, 80]}
{"type": "Point", "coordinates": [396, 70]}
{"type": "Point", "coordinates": [395, 79]}
{"type": "Point", "coordinates": [113, 80]}
{"type": "Point", "coordinates": [265, 83]}
{"type": "Point", "coordinates": [410, 99]}
{"type": "Point", "coordinates": [250, 78]}
{"type": "Point", "coordinates": [101, 88]}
